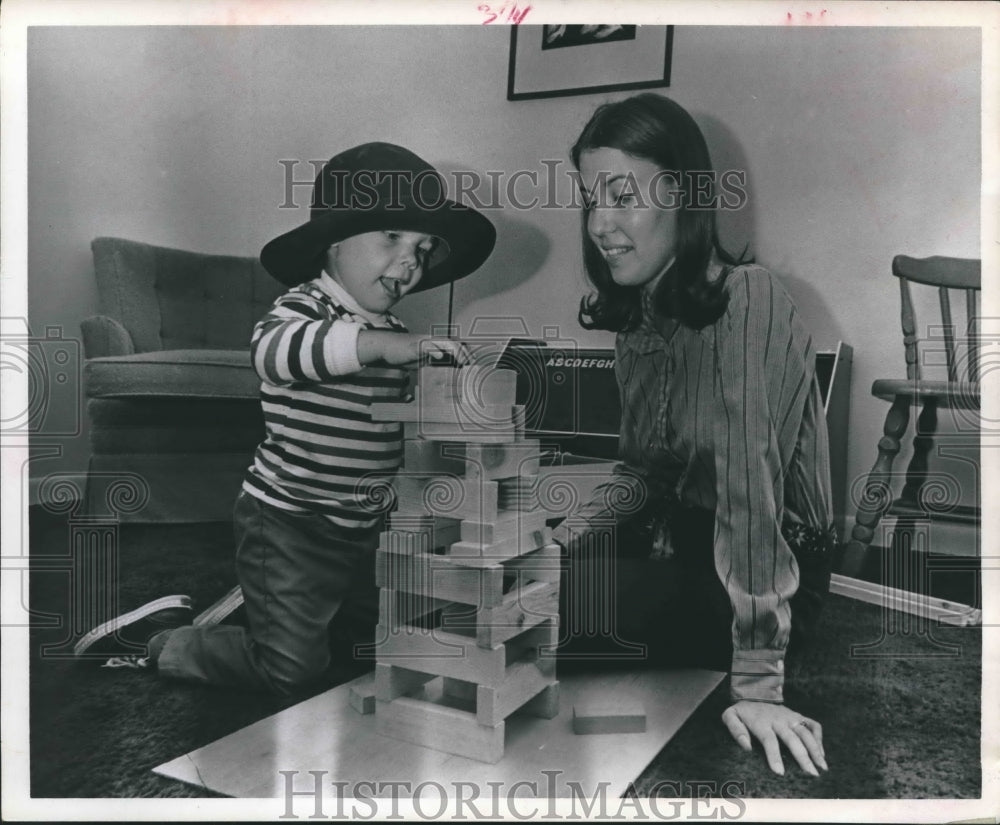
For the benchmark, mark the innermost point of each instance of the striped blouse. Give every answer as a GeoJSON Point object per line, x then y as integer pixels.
{"type": "Point", "coordinates": [320, 442]}
{"type": "Point", "coordinates": [729, 418]}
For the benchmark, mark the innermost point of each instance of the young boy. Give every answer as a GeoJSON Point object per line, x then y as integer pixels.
{"type": "Point", "coordinates": [307, 520]}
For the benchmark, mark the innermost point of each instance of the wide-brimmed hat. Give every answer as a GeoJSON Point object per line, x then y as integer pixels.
{"type": "Point", "coordinates": [379, 186]}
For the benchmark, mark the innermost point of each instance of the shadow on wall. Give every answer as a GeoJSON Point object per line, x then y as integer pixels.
{"type": "Point", "coordinates": [737, 227]}
{"type": "Point", "coordinates": [521, 251]}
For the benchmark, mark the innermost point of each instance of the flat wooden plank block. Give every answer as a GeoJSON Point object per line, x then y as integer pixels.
{"type": "Point", "coordinates": [507, 526]}
{"type": "Point", "coordinates": [440, 495]}
{"type": "Point", "coordinates": [545, 705]}
{"type": "Point", "coordinates": [440, 728]}
{"type": "Point", "coordinates": [480, 385]}
{"type": "Point", "coordinates": [420, 522]}
{"type": "Point", "coordinates": [440, 653]}
{"type": "Point", "coordinates": [524, 607]}
{"type": "Point", "coordinates": [488, 418]}
{"type": "Point", "coordinates": [392, 681]}
{"type": "Point", "coordinates": [542, 565]}
{"type": "Point", "coordinates": [396, 607]}
{"type": "Point", "coordinates": [492, 461]}
{"type": "Point", "coordinates": [523, 682]}
{"type": "Point", "coordinates": [474, 553]}
{"type": "Point", "coordinates": [459, 689]}
{"type": "Point", "coordinates": [433, 457]}
{"type": "Point", "coordinates": [520, 422]}
{"type": "Point", "coordinates": [446, 431]}
{"type": "Point", "coordinates": [438, 578]}
{"type": "Point", "coordinates": [324, 732]}
{"type": "Point", "coordinates": [608, 714]}
{"type": "Point", "coordinates": [438, 382]}
{"type": "Point", "coordinates": [471, 500]}
{"type": "Point", "coordinates": [424, 541]}
{"type": "Point", "coordinates": [362, 693]}
{"type": "Point", "coordinates": [536, 643]}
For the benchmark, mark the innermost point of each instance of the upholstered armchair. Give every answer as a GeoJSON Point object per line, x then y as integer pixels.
{"type": "Point", "coordinates": [172, 401]}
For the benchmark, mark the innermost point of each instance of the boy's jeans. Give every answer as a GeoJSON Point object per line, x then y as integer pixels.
{"type": "Point", "coordinates": [296, 570]}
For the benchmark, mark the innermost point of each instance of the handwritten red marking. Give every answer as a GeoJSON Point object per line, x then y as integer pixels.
{"type": "Point", "coordinates": [508, 11]}
{"type": "Point", "coordinates": [805, 17]}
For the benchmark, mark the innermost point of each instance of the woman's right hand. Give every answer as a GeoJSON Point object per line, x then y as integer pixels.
{"type": "Point", "coordinates": [404, 348]}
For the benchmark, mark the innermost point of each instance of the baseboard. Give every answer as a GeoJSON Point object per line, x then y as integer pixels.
{"type": "Point", "coordinates": [916, 604]}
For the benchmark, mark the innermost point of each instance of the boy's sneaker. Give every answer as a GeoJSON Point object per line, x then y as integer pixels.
{"type": "Point", "coordinates": [126, 636]}
{"type": "Point", "coordinates": [228, 607]}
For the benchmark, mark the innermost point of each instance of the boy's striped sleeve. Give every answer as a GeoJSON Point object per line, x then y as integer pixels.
{"type": "Point", "coordinates": [297, 342]}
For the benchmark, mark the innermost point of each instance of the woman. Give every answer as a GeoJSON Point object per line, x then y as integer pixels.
{"type": "Point", "coordinates": [723, 438]}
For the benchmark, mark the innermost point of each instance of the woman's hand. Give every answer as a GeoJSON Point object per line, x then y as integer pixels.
{"type": "Point", "coordinates": [402, 348]}
{"type": "Point", "coordinates": [772, 724]}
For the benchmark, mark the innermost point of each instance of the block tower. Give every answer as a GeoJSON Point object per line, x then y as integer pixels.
{"type": "Point", "coordinates": [468, 576]}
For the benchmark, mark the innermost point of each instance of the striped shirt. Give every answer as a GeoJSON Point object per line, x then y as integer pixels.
{"type": "Point", "coordinates": [321, 446]}
{"type": "Point", "coordinates": [729, 418]}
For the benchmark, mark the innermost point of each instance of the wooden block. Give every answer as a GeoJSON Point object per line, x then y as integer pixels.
{"type": "Point", "coordinates": [475, 554]}
{"type": "Point", "coordinates": [520, 422]}
{"type": "Point", "coordinates": [460, 418]}
{"type": "Point", "coordinates": [420, 522]}
{"type": "Point", "coordinates": [391, 681]}
{"type": "Point", "coordinates": [438, 382]}
{"type": "Point", "coordinates": [395, 411]}
{"type": "Point", "coordinates": [447, 496]}
{"type": "Point", "coordinates": [543, 565]}
{"type": "Point", "coordinates": [433, 457]}
{"type": "Point", "coordinates": [441, 653]}
{"type": "Point", "coordinates": [397, 607]}
{"type": "Point", "coordinates": [362, 694]}
{"type": "Point", "coordinates": [536, 643]}
{"type": "Point", "coordinates": [475, 418]}
{"type": "Point", "coordinates": [524, 607]}
{"type": "Point", "coordinates": [445, 431]}
{"type": "Point", "coordinates": [496, 461]}
{"type": "Point", "coordinates": [612, 713]}
{"type": "Point", "coordinates": [481, 385]}
{"type": "Point", "coordinates": [523, 682]}
{"type": "Point", "coordinates": [440, 728]}
{"type": "Point", "coordinates": [420, 494]}
{"type": "Point", "coordinates": [460, 618]}
{"type": "Point", "coordinates": [472, 500]}
{"type": "Point", "coordinates": [425, 541]}
{"type": "Point", "coordinates": [507, 526]}
{"type": "Point", "coordinates": [458, 689]}
{"type": "Point", "coordinates": [399, 541]}
{"type": "Point", "coordinates": [545, 705]}
{"type": "Point", "coordinates": [438, 578]}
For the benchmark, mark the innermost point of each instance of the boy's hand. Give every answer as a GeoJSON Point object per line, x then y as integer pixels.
{"type": "Point", "coordinates": [401, 348]}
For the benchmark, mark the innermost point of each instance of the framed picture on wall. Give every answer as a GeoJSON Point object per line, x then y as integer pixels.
{"type": "Point", "coordinates": [560, 60]}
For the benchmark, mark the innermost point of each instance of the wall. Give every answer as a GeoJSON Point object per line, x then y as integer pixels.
{"type": "Point", "coordinates": [859, 144]}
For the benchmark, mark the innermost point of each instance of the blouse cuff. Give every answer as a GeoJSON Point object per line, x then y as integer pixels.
{"type": "Point", "coordinates": [758, 675]}
{"type": "Point", "coordinates": [341, 348]}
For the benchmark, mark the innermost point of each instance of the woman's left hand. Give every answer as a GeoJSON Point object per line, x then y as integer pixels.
{"type": "Point", "coordinates": [772, 724]}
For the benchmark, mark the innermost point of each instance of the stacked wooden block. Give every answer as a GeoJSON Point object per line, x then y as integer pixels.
{"type": "Point", "coordinates": [469, 580]}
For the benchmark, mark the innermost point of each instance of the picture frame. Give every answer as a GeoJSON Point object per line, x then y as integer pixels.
{"type": "Point", "coordinates": [558, 61]}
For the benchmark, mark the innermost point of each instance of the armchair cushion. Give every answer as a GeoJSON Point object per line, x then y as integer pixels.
{"type": "Point", "coordinates": [188, 373]}
{"type": "Point", "coordinates": [104, 336]}
{"type": "Point", "coordinates": [173, 299]}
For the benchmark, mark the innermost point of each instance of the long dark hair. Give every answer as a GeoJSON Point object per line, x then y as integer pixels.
{"type": "Point", "coordinates": [658, 130]}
